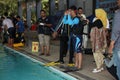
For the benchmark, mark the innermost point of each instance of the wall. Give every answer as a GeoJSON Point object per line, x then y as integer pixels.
{"type": "Point", "coordinates": [87, 5]}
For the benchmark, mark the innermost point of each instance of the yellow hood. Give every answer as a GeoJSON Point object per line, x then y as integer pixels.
{"type": "Point", "coordinates": [102, 15]}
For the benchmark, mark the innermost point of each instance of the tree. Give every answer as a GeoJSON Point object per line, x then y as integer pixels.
{"type": "Point", "coordinates": [9, 6]}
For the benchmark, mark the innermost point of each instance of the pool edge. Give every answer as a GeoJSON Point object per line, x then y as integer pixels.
{"type": "Point", "coordinates": [69, 77]}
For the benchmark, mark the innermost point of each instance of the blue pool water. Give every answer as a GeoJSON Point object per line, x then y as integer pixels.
{"type": "Point", "coordinates": [14, 66]}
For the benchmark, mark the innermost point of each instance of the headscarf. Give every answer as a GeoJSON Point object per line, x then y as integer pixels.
{"type": "Point", "coordinates": [102, 15]}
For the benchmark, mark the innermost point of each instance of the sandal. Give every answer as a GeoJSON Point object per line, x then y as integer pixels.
{"type": "Point", "coordinates": [41, 54]}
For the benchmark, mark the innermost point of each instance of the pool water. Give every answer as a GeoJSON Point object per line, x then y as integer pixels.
{"type": "Point", "coordinates": [14, 66]}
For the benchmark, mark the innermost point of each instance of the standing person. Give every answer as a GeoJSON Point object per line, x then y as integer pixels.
{"type": "Point", "coordinates": [98, 40]}
{"type": "Point", "coordinates": [76, 34]}
{"type": "Point", "coordinates": [13, 18]}
{"type": "Point", "coordinates": [20, 28]}
{"type": "Point", "coordinates": [8, 26]}
{"type": "Point", "coordinates": [102, 15]}
{"type": "Point", "coordinates": [115, 40]}
{"type": "Point", "coordinates": [44, 31]}
{"type": "Point", "coordinates": [64, 40]}
{"type": "Point", "coordinates": [63, 43]}
{"type": "Point", "coordinates": [85, 31]}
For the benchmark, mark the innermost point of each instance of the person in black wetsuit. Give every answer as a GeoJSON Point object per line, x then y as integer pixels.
{"type": "Point", "coordinates": [64, 43]}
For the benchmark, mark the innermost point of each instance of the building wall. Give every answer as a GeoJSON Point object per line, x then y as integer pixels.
{"type": "Point", "coordinates": [87, 5]}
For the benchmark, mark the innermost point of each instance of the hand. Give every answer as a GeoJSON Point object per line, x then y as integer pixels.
{"type": "Point", "coordinates": [69, 11]}
{"type": "Point", "coordinates": [42, 24]}
{"type": "Point", "coordinates": [78, 15]}
{"type": "Point", "coordinates": [87, 21]}
{"type": "Point", "coordinates": [105, 46]}
{"type": "Point", "coordinates": [66, 12]}
{"type": "Point", "coordinates": [22, 34]}
{"type": "Point", "coordinates": [54, 34]}
{"type": "Point", "coordinates": [110, 51]}
{"type": "Point", "coordinates": [5, 27]}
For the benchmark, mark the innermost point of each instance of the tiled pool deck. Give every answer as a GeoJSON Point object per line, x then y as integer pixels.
{"type": "Point", "coordinates": [84, 74]}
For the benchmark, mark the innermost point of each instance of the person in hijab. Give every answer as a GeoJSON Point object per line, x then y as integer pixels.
{"type": "Point", "coordinates": [98, 40]}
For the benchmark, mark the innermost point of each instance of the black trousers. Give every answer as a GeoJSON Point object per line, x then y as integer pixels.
{"type": "Point", "coordinates": [71, 51]}
{"type": "Point", "coordinates": [64, 48]}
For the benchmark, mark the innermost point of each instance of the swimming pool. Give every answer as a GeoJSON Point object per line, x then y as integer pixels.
{"type": "Point", "coordinates": [17, 66]}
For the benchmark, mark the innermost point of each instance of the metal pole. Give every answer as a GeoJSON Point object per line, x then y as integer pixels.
{"type": "Point", "coordinates": [67, 4]}
{"type": "Point", "coordinates": [94, 6]}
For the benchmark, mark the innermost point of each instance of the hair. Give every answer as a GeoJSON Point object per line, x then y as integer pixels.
{"type": "Point", "coordinates": [6, 14]}
{"type": "Point", "coordinates": [42, 11]}
{"type": "Point", "coordinates": [80, 8]}
{"type": "Point", "coordinates": [73, 7]}
{"type": "Point", "coordinates": [2, 17]}
{"type": "Point", "coordinates": [18, 17]}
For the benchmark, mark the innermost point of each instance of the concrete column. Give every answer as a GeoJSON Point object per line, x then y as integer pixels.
{"type": "Point", "coordinates": [38, 8]}
{"type": "Point", "coordinates": [89, 7]}
{"type": "Point", "coordinates": [52, 7]}
{"type": "Point", "coordinates": [28, 12]}
{"type": "Point", "coordinates": [62, 4]}
{"type": "Point", "coordinates": [20, 8]}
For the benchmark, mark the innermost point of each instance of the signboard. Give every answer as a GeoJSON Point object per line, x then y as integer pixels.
{"type": "Point", "coordinates": [35, 46]}
{"type": "Point", "coordinates": [108, 5]}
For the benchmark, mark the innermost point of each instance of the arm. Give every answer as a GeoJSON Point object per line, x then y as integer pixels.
{"type": "Point", "coordinates": [104, 38]}
{"type": "Point", "coordinates": [62, 21]}
{"type": "Point", "coordinates": [49, 25]}
{"type": "Point", "coordinates": [111, 47]}
{"type": "Point", "coordinates": [54, 34]}
{"type": "Point", "coordinates": [69, 20]}
{"type": "Point", "coordinates": [4, 25]}
{"type": "Point", "coordinates": [65, 20]}
{"type": "Point", "coordinates": [72, 21]}
{"type": "Point", "coordinates": [115, 32]}
{"type": "Point", "coordinates": [16, 25]}
{"type": "Point", "coordinates": [109, 63]}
